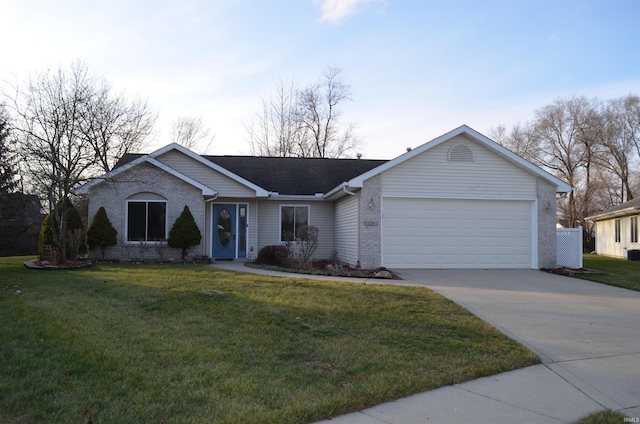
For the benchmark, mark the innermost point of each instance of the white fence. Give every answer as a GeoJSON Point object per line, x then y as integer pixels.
{"type": "Point", "coordinates": [570, 247]}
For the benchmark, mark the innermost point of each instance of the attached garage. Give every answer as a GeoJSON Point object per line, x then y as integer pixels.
{"type": "Point", "coordinates": [457, 233]}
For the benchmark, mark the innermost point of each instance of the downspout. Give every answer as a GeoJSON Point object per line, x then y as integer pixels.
{"type": "Point", "coordinates": [344, 188]}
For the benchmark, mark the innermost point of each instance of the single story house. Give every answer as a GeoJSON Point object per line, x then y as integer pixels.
{"type": "Point", "coordinates": [617, 229]}
{"type": "Point", "coordinates": [458, 201]}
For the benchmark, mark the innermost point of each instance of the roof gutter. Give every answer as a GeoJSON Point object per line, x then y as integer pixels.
{"type": "Point", "coordinates": [306, 197]}
{"type": "Point", "coordinates": [341, 187]}
{"type": "Point", "coordinates": [215, 197]}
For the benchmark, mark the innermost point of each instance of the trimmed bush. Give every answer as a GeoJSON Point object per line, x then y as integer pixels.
{"type": "Point", "coordinates": [185, 233]}
{"type": "Point", "coordinates": [101, 232]}
{"type": "Point", "coordinates": [274, 255]}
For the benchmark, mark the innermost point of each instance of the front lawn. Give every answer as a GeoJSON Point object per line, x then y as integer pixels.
{"type": "Point", "coordinates": [192, 344]}
{"type": "Point", "coordinates": [615, 272]}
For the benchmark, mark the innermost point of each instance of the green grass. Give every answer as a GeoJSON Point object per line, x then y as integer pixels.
{"type": "Point", "coordinates": [615, 272]}
{"type": "Point", "coordinates": [603, 417]}
{"type": "Point", "coordinates": [192, 344]}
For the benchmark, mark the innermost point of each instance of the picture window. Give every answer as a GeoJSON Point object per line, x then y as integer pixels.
{"type": "Point", "coordinates": [292, 219]}
{"type": "Point", "coordinates": [146, 221]}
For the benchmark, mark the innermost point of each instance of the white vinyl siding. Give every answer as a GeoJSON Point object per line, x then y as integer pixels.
{"type": "Point", "coordinates": [225, 186]}
{"type": "Point", "coordinates": [431, 175]}
{"type": "Point", "coordinates": [606, 243]}
{"type": "Point", "coordinates": [320, 216]}
{"type": "Point", "coordinates": [293, 218]}
{"type": "Point", "coordinates": [448, 233]}
{"type": "Point", "coordinates": [345, 231]}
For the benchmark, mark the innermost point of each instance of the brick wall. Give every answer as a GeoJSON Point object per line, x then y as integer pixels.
{"type": "Point", "coordinates": [547, 238]}
{"type": "Point", "coordinates": [370, 249]}
{"type": "Point", "coordinates": [145, 178]}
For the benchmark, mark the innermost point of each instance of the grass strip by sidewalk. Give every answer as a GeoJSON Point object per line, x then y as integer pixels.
{"type": "Point", "coordinates": [614, 272]}
{"type": "Point", "coordinates": [192, 344]}
{"type": "Point", "coordinates": [604, 417]}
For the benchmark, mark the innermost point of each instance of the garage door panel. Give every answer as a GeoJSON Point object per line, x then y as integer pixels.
{"type": "Point", "coordinates": [444, 233]}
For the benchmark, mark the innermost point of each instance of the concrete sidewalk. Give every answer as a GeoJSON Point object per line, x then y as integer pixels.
{"type": "Point", "coordinates": [586, 334]}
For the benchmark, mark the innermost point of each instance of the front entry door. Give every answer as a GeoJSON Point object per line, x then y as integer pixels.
{"type": "Point", "coordinates": [224, 231]}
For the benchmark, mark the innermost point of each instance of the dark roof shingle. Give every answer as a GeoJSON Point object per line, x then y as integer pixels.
{"type": "Point", "coordinates": [289, 176]}
{"type": "Point", "coordinates": [629, 205]}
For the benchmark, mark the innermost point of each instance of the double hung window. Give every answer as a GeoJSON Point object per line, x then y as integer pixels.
{"type": "Point", "coordinates": [634, 229]}
{"type": "Point", "coordinates": [616, 224]}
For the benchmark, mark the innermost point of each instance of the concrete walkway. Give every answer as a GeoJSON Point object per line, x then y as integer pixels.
{"type": "Point", "coordinates": [586, 334]}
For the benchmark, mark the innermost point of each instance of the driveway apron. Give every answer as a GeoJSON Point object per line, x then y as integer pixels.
{"type": "Point", "coordinates": [587, 333]}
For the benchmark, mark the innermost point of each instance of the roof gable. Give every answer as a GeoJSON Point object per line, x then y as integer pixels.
{"type": "Point", "coordinates": [84, 189]}
{"type": "Point", "coordinates": [260, 191]}
{"type": "Point", "coordinates": [561, 186]}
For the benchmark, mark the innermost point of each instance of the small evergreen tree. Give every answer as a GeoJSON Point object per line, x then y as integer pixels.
{"type": "Point", "coordinates": [185, 233]}
{"type": "Point", "coordinates": [74, 226]}
{"type": "Point", "coordinates": [101, 232]}
{"type": "Point", "coordinates": [46, 237]}
{"type": "Point", "coordinates": [74, 223]}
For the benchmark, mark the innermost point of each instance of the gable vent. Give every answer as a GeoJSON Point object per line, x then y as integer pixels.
{"type": "Point", "coordinates": [460, 153]}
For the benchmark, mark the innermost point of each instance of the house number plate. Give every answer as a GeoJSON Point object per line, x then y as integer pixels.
{"type": "Point", "coordinates": [370, 223]}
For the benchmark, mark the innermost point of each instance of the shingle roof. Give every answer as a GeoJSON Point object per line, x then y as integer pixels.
{"type": "Point", "coordinates": [289, 176]}
{"type": "Point", "coordinates": [620, 209]}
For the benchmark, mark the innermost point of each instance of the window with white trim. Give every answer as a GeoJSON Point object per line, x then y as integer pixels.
{"type": "Point", "coordinates": [292, 218]}
{"type": "Point", "coordinates": [146, 220]}
{"type": "Point", "coordinates": [634, 229]}
{"type": "Point", "coordinates": [616, 224]}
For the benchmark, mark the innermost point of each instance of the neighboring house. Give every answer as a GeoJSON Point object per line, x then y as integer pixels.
{"type": "Point", "coordinates": [617, 229]}
{"type": "Point", "coordinates": [458, 201]}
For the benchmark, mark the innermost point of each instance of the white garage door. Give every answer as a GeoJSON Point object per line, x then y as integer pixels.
{"type": "Point", "coordinates": [437, 233]}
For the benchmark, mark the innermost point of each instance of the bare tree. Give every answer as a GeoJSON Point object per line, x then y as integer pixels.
{"type": "Point", "coordinates": [567, 131]}
{"type": "Point", "coordinates": [619, 144]}
{"type": "Point", "coordinates": [320, 116]}
{"type": "Point", "coordinates": [592, 145]}
{"type": "Point", "coordinates": [67, 128]}
{"type": "Point", "coordinates": [520, 139]}
{"type": "Point", "coordinates": [114, 125]}
{"type": "Point", "coordinates": [276, 130]}
{"type": "Point", "coordinates": [629, 111]}
{"type": "Point", "coordinates": [8, 168]}
{"type": "Point", "coordinates": [304, 122]}
{"type": "Point", "coordinates": [190, 132]}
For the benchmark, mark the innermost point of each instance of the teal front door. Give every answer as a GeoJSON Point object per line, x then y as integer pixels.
{"type": "Point", "coordinates": [224, 235]}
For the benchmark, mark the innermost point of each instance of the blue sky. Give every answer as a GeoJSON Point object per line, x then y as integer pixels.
{"type": "Point", "coordinates": [417, 69]}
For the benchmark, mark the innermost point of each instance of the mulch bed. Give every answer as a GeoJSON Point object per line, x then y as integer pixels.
{"type": "Point", "coordinates": [569, 272]}
{"type": "Point", "coordinates": [324, 268]}
{"type": "Point", "coordinates": [48, 266]}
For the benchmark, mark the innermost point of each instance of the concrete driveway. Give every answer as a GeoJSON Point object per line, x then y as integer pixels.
{"type": "Point", "coordinates": [587, 333]}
